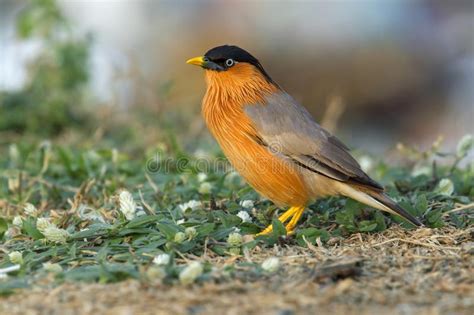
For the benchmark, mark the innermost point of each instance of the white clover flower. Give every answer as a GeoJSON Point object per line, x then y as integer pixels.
{"type": "Point", "coordinates": [234, 251]}
{"type": "Point", "coordinates": [234, 239]}
{"type": "Point", "coordinates": [52, 267]}
{"type": "Point", "coordinates": [271, 264]}
{"type": "Point", "coordinates": [127, 205]}
{"type": "Point", "coordinates": [421, 169]}
{"type": "Point", "coordinates": [232, 179]}
{"type": "Point", "coordinates": [191, 272]}
{"type": "Point", "coordinates": [205, 188]}
{"type": "Point", "coordinates": [201, 154]}
{"type": "Point", "coordinates": [11, 232]}
{"type": "Point", "coordinates": [55, 234]}
{"type": "Point", "coordinates": [445, 187]}
{"type": "Point", "coordinates": [192, 205]}
{"type": "Point", "coordinates": [465, 145]}
{"type": "Point", "coordinates": [93, 155]}
{"type": "Point", "coordinates": [179, 237]}
{"type": "Point", "coordinates": [13, 183]}
{"type": "Point", "coordinates": [155, 273]}
{"type": "Point", "coordinates": [247, 204]}
{"type": "Point", "coordinates": [366, 163]}
{"type": "Point", "coordinates": [42, 224]}
{"type": "Point", "coordinates": [17, 221]}
{"type": "Point", "coordinates": [88, 213]}
{"type": "Point", "coordinates": [14, 153]}
{"type": "Point", "coordinates": [162, 259]}
{"type": "Point", "coordinates": [201, 177]}
{"type": "Point", "coordinates": [245, 216]}
{"type": "Point", "coordinates": [30, 209]}
{"type": "Point", "coordinates": [190, 232]}
{"type": "Point", "coordinates": [16, 257]}
{"type": "Point", "coordinates": [184, 178]}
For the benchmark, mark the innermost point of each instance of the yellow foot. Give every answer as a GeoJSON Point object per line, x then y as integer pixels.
{"type": "Point", "coordinates": [294, 213]}
{"type": "Point", "coordinates": [290, 227]}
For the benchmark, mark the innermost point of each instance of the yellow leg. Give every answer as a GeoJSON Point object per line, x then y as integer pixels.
{"type": "Point", "coordinates": [283, 218]}
{"type": "Point", "coordinates": [293, 212]}
{"type": "Point", "coordinates": [294, 220]}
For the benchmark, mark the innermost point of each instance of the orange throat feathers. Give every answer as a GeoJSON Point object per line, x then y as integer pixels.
{"type": "Point", "coordinates": [228, 92]}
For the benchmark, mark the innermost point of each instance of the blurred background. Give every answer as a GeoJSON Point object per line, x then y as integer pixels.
{"type": "Point", "coordinates": [375, 72]}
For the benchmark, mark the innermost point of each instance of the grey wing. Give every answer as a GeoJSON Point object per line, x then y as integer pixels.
{"type": "Point", "coordinates": [287, 128]}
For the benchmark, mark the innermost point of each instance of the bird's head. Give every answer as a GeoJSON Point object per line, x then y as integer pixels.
{"type": "Point", "coordinates": [233, 65]}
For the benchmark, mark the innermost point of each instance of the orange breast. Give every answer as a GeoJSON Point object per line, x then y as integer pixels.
{"type": "Point", "coordinates": [223, 112]}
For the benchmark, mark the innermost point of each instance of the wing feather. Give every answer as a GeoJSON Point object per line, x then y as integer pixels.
{"type": "Point", "coordinates": [287, 128]}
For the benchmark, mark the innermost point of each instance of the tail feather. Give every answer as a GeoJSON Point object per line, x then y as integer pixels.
{"type": "Point", "coordinates": [379, 200]}
{"type": "Point", "coordinates": [395, 207]}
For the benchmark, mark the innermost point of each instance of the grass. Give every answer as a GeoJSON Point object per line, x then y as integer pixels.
{"type": "Point", "coordinates": [392, 272]}
{"type": "Point", "coordinates": [82, 225]}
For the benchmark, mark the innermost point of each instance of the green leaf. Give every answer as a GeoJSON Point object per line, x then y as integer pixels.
{"type": "Point", "coordinates": [66, 158]}
{"type": "Point", "coordinates": [380, 220]}
{"type": "Point", "coordinates": [445, 187]}
{"type": "Point", "coordinates": [421, 205]}
{"type": "Point", "coordinates": [83, 273]}
{"type": "Point", "coordinates": [134, 231]}
{"type": "Point", "coordinates": [314, 232]}
{"type": "Point", "coordinates": [310, 235]}
{"type": "Point", "coordinates": [249, 228]}
{"type": "Point", "coordinates": [205, 229]}
{"type": "Point", "coordinates": [433, 217]}
{"type": "Point", "coordinates": [410, 208]}
{"type": "Point", "coordinates": [186, 246]}
{"type": "Point", "coordinates": [222, 233]}
{"type": "Point", "coordinates": [250, 245]}
{"type": "Point", "coordinates": [9, 286]}
{"type": "Point", "coordinates": [228, 220]}
{"type": "Point", "coordinates": [367, 226]}
{"type": "Point", "coordinates": [219, 250]}
{"type": "Point", "coordinates": [29, 226]}
{"type": "Point", "coordinates": [142, 220]}
{"type": "Point", "coordinates": [278, 228]}
{"type": "Point", "coordinates": [346, 219]}
{"type": "Point", "coordinates": [168, 229]}
{"type": "Point", "coordinates": [3, 226]}
{"type": "Point", "coordinates": [91, 231]}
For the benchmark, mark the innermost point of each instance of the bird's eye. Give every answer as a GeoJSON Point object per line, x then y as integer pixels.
{"type": "Point", "coordinates": [229, 62]}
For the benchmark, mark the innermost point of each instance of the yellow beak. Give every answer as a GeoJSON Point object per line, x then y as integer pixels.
{"type": "Point", "coordinates": [197, 61]}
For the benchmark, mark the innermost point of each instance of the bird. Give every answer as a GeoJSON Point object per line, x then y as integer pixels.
{"type": "Point", "coordinates": [274, 143]}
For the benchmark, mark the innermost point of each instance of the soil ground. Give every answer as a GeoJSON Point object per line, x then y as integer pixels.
{"type": "Point", "coordinates": [425, 271]}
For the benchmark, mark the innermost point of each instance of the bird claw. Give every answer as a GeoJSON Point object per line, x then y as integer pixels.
{"type": "Point", "coordinates": [294, 213]}
{"type": "Point", "coordinates": [290, 229]}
